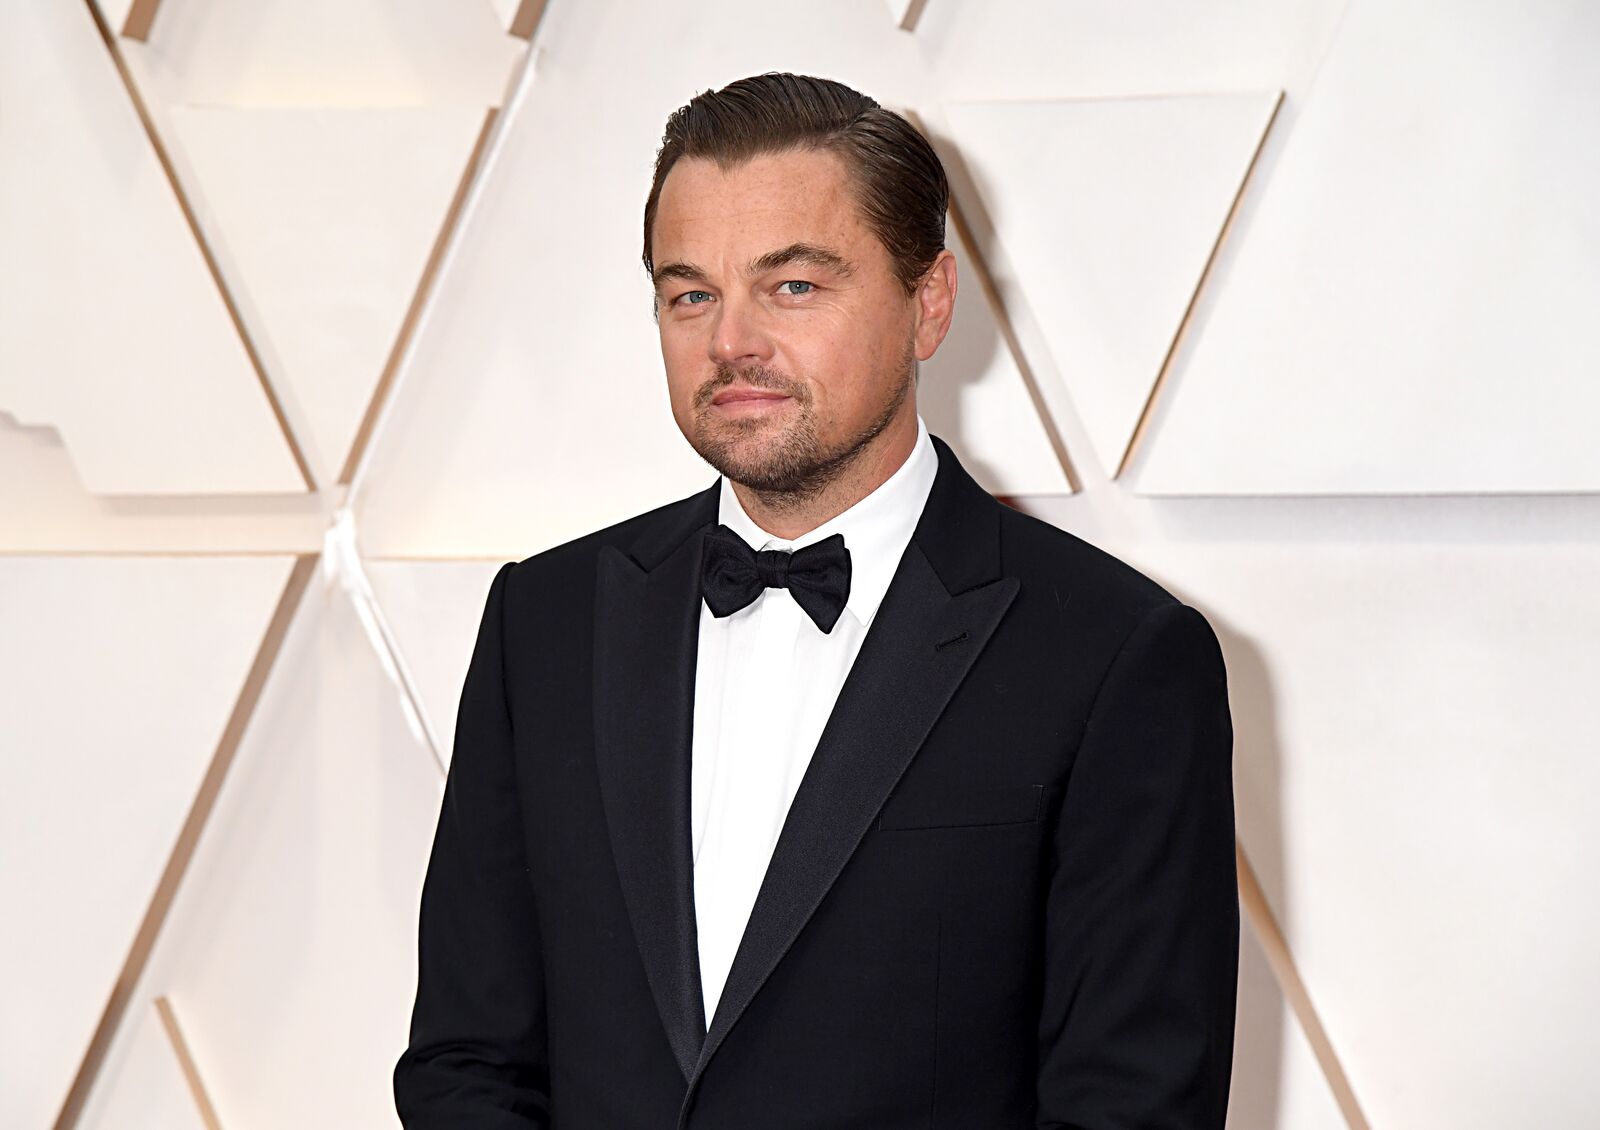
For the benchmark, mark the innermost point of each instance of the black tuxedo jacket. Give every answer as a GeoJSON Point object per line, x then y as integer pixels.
{"type": "Point", "coordinates": [1004, 895]}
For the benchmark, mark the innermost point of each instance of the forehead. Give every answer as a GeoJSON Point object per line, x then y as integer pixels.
{"type": "Point", "coordinates": [769, 201]}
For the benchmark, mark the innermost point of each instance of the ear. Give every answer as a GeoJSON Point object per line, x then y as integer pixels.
{"type": "Point", "coordinates": [936, 304]}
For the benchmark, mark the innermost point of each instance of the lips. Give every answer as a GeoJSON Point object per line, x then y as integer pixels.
{"type": "Point", "coordinates": [736, 394]}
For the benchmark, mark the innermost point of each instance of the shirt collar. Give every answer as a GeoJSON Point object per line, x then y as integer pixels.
{"type": "Point", "coordinates": [876, 529]}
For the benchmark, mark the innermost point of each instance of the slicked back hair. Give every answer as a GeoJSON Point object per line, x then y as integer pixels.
{"type": "Point", "coordinates": [896, 177]}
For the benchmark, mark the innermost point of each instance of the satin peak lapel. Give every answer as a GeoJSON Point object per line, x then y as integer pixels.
{"type": "Point", "coordinates": [646, 622]}
{"type": "Point", "coordinates": [938, 614]}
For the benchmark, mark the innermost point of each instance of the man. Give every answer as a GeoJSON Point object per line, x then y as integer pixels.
{"type": "Point", "coordinates": [837, 794]}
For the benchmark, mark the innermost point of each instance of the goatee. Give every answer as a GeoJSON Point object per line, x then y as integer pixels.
{"type": "Point", "coordinates": [791, 467]}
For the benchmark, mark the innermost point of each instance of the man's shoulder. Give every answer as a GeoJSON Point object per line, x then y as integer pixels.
{"type": "Point", "coordinates": [579, 553]}
{"type": "Point", "coordinates": [1075, 571]}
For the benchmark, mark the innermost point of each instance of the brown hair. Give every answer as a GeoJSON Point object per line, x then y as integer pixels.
{"type": "Point", "coordinates": [898, 180]}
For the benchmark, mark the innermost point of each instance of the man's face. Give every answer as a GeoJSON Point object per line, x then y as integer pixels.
{"type": "Point", "coordinates": [789, 343]}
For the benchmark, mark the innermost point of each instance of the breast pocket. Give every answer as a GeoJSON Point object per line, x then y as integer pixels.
{"type": "Point", "coordinates": [947, 807]}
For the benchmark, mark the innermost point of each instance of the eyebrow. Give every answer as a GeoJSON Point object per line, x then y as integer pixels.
{"type": "Point", "coordinates": [683, 272]}
{"type": "Point", "coordinates": [806, 254]}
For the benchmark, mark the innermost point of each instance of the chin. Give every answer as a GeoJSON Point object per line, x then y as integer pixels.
{"type": "Point", "coordinates": [755, 460]}
{"type": "Point", "coordinates": [744, 440]}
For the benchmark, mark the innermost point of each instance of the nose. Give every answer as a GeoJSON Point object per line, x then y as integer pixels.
{"type": "Point", "coordinates": [738, 335]}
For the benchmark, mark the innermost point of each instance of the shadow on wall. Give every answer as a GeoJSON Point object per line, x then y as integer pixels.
{"type": "Point", "coordinates": [1259, 1035]}
{"type": "Point", "coordinates": [982, 327]}
{"type": "Point", "coordinates": [973, 341]}
{"type": "Point", "coordinates": [966, 353]}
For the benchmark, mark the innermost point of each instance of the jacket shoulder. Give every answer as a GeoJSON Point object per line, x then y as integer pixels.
{"type": "Point", "coordinates": [1076, 571]}
{"type": "Point", "coordinates": [577, 555]}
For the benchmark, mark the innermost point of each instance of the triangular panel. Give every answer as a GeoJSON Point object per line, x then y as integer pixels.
{"type": "Point", "coordinates": [1108, 211]}
{"type": "Point", "coordinates": [324, 220]}
{"type": "Point", "coordinates": [1410, 308]}
{"type": "Point", "coordinates": [118, 676]}
{"type": "Point", "coordinates": [114, 332]}
{"type": "Point", "coordinates": [295, 928]}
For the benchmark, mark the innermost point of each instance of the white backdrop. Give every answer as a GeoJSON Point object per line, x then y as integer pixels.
{"type": "Point", "coordinates": [303, 310]}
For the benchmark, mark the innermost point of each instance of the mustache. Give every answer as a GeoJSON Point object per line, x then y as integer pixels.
{"type": "Point", "coordinates": [757, 376]}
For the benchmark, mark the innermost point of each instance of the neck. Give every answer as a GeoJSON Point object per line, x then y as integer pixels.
{"type": "Point", "coordinates": [788, 517]}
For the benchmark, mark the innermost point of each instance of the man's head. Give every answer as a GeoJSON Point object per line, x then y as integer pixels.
{"type": "Point", "coordinates": [794, 234]}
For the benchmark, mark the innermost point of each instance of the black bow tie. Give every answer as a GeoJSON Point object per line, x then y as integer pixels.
{"type": "Point", "coordinates": [818, 576]}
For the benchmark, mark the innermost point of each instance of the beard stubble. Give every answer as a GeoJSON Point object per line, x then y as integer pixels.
{"type": "Point", "coordinates": [793, 466]}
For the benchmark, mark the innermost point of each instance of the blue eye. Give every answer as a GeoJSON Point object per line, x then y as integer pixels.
{"type": "Point", "coordinates": [796, 282]}
{"type": "Point", "coordinates": [695, 296]}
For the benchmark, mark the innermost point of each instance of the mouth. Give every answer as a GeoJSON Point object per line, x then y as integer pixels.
{"type": "Point", "coordinates": [746, 392]}
{"type": "Point", "coordinates": [745, 400]}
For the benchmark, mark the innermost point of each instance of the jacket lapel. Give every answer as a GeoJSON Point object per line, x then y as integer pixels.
{"type": "Point", "coordinates": [646, 623]}
{"type": "Point", "coordinates": [945, 600]}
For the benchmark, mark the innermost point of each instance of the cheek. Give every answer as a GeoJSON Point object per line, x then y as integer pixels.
{"type": "Point", "coordinates": [683, 365]}
{"type": "Point", "coordinates": [856, 364]}
{"type": "Point", "coordinates": [834, 355]}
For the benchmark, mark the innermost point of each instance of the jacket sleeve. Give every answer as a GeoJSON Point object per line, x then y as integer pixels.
{"type": "Point", "coordinates": [1142, 919]}
{"type": "Point", "coordinates": [477, 1053]}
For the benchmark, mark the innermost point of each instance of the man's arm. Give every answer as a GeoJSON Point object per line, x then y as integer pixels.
{"type": "Point", "coordinates": [1142, 924]}
{"type": "Point", "coordinates": [477, 1053]}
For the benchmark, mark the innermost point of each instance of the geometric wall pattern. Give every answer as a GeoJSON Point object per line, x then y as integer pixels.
{"type": "Point", "coordinates": [312, 315]}
{"type": "Point", "coordinates": [117, 679]}
{"type": "Point", "coordinates": [324, 220]}
{"type": "Point", "coordinates": [1109, 253]}
{"type": "Point", "coordinates": [296, 918]}
{"type": "Point", "coordinates": [1437, 181]}
{"type": "Point", "coordinates": [104, 285]}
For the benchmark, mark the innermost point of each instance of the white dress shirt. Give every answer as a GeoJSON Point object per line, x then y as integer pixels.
{"type": "Point", "coordinates": [765, 684]}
